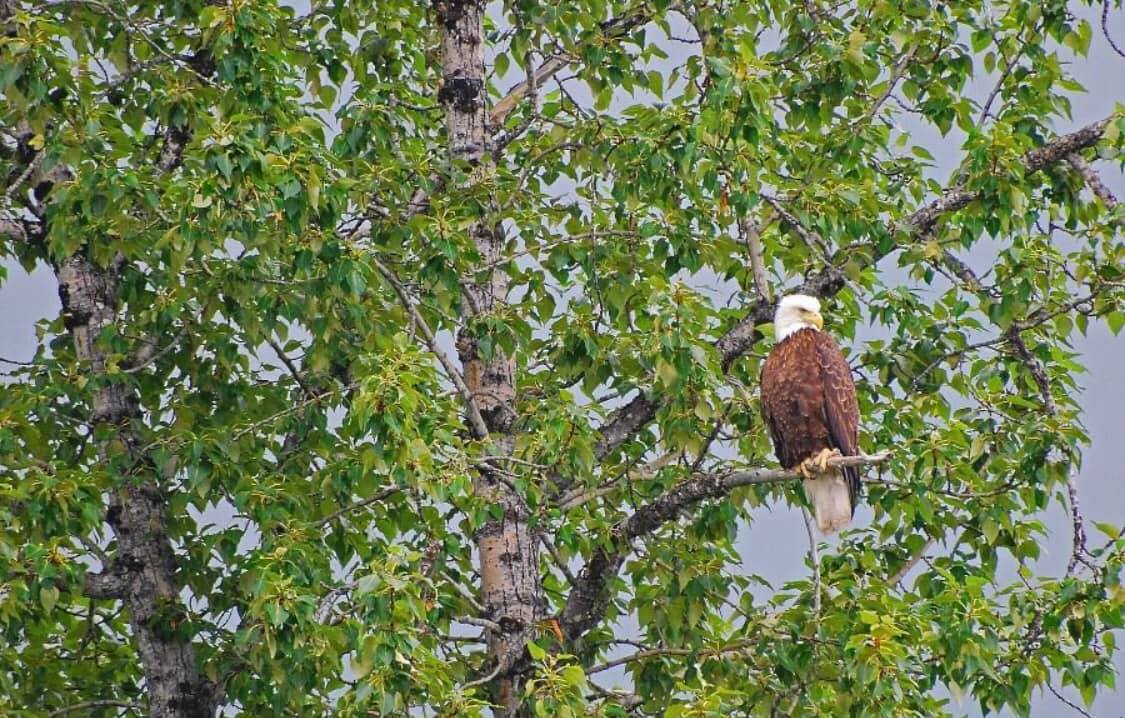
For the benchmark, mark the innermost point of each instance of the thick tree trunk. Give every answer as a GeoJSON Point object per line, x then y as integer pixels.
{"type": "Point", "coordinates": [509, 552]}
{"type": "Point", "coordinates": [143, 569]}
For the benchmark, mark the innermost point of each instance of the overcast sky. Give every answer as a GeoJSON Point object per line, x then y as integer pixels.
{"type": "Point", "coordinates": [27, 298]}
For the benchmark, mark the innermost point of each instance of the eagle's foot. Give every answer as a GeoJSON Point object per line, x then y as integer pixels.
{"type": "Point", "coordinates": [824, 457]}
{"type": "Point", "coordinates": [806, 468]}
{"type": "Point", "coordinates": [820, 461]}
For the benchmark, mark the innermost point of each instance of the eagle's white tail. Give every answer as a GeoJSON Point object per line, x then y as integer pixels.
{"type": "Point", "coordinates": [832, 503]}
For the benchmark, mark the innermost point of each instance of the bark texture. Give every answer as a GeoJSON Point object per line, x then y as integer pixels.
{"type": "Point", "coordinates": [509, 552]}
{"type": "Point", "coordinates": [143, 569]}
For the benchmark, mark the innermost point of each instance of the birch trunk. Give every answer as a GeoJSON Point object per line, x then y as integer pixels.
{"type": "Point", "coordinates": [508, 549]}
{"type": "Point", "coordinates": [142, 573]}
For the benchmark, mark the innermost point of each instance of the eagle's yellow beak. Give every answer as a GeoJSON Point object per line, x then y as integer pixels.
{"type": "Point", "coordinates": [815, 318]}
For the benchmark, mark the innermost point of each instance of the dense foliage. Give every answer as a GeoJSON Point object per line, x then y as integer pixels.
{"type": "Point", "coordinates": [281, 247]}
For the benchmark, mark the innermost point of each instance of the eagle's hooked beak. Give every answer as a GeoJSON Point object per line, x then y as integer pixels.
{"type": "Point", "coordinates": [815, 318]}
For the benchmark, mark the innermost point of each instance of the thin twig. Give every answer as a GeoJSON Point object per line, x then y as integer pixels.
{"type": "Point", "coordinates": [141, 360]}
{"type": "Point", "coordinates": [290, 366]}
{"type": "Point", "coordinates": [93, 704]}
{"type": "Point", "coordinates": [483, 679]}
{"type": "Point", "coordinates": [379, 496]}
{"type": "Point", "coordinates": [1070, 703]}
{"type": "Point", "coordinates": [896, 74]}
{"type": "Point", "coordinates": [556, 557]}
{"type": "Point", "coordinates": [480, 429]}
{"type": "Point", "coordinates": [811, 238]}
{"type": "Point", "coordinates": [911, 563]}
{"type": "Point", "coordinates": [482, 622]}
{"type": "Point", "coordinates": [814, 559]}
{"type": "Point", "coordinates": [1105, 29]}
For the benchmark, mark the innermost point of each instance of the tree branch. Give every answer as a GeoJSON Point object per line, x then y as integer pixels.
{"type": "Point", "coordinates": [586, 604]}
{"type": "Point", "coordinates": [1093, 181]}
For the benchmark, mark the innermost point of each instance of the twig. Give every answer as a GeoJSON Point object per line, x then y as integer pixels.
{"type": "Point", "coordinates": [31, 166]}
{"type": "Point", "coordinates": [911, 563]}
{"type": "Point", "coordinates": [757, 258]}
{"type": "Point", "coordinates": [480, 429]}
{"type": "Point", "coordinates": [814, 559]}
{"type": "Point", "coordinates": [278, 415]}
{"type": "Point", "coordinates": [483, 679]}
{"type": "Point", "coordinates": [558, 559]}
{"type": "Point", "coordinates": [93, 704]}
{"type": "Point", "coordinates": [142, 360]}
{"type": "Point", "coordinates": [1105, 29]}
{"type": "Point", "coordinates": [482, 622]}
{"type": "Point", "coordinates": [896, 74]}
{"type": "Point", "coordinates": [811, 238]}
{"type": "Point", "coordinates": [986, 108]}
{"type": "Point", "coordinates": [325, 604]}
{"type": "Point", "coordinates": [1064, 699]}
{"type": "Point", "coordinates": [290, 366]}
{"type": "Point", "coordinates": [379, 496]}
{"type": "Point", "coordinates": [659, 652]}
{"type": "Point", "coordinates": [1035, 367]}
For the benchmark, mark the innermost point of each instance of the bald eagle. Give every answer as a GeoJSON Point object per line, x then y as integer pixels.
{"type": "Point", "coordinates": [809, 406]}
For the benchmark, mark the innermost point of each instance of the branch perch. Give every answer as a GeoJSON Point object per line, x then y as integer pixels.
{"type": "Point", "coordinates": [586, 604]}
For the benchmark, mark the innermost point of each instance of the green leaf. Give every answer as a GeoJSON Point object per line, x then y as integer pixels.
{"type": "Point", "coordinates": [48, 597]}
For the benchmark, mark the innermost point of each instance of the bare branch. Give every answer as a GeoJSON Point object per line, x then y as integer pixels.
{"type": "Point", "coordinates": [482, 622]}
{"type": "Point", "coordinates": [911, 563]}
{"type": "Point", "coordinates": [13, 230]}
{"type": "Point", "coordinates": [557, 558]}
{"type": "Point", "coordinates": [896, 74]}
{"type": "Point", "coordinates": [1038, 373]}
{"type": "Point", "coordinates": [1063, 698]}
{"type": "Point", "coordinates": [1105, 29]}
{"type": "Point", "coordinates": [814, 559]}
{"type": "Point", "coordinates": [1078, 551]}
{"type": "Point", "coordinates": [809, 237]}
{"type": "Point", "coordinates": [1093, 181]}
{"type": "Point", "coordinates": [105, 585]}
{"type": "Point", "coordinates": [757, 258]}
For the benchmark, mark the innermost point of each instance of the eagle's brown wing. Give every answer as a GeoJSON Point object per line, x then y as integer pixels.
{"type": "Point", "coordinates": [841, 409]}
{"type": "Point", "coordinates": [793, 399]}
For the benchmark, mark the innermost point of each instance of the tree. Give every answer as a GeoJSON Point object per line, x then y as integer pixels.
{"type": "Point", "coordinates": [378, 388]}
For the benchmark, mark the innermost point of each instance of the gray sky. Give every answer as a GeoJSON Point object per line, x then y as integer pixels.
{"type": "Point", "coordinates": [26, 299]}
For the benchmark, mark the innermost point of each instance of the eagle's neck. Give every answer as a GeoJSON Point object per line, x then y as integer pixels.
{"type": "Point", "coordinates": [789, 329]}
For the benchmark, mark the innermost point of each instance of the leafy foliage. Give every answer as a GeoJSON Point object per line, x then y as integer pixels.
{"type": "Point", "coordinates": [312, 453]}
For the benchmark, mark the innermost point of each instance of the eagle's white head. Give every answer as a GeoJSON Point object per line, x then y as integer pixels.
{"type": "Point", "coordinates": [796, 312]}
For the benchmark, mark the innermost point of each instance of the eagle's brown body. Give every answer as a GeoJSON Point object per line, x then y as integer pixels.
{"type": "Point", "coordinates": [809, 404]}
